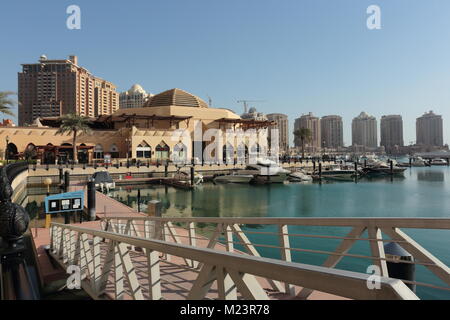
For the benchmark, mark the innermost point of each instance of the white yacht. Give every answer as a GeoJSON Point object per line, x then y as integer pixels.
{"type": "Point", "coordinates": [266, 171]}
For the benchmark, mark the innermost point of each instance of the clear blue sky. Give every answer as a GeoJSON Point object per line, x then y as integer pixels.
{"type": "Point", "coordinates": [297, 55]}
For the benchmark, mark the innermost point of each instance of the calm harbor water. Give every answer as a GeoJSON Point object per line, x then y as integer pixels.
{"type": "Point", "coordinates": [422, 192]}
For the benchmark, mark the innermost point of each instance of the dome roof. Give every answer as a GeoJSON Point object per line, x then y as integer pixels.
{"type": "Point", "coordinates": [176, 97]}
{"type": "Point", "coordinates": [136, 89]}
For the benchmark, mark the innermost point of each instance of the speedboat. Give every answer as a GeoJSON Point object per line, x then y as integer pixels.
{"type": "Point", "coordinates": [299, 176]}
{"type": "Point", "coordinates": [103, 180]}
{"type": "Point", "coordinates": [234, 178]}
{"type": "Point", "coordinates": [438, 162]}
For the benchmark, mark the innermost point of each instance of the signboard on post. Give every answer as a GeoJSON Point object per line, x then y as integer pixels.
{"type": "Point", "coordinates": [65, 202]}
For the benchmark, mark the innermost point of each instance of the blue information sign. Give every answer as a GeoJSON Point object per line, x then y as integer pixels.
{"type": "Point", "coordinates": [65, 202]}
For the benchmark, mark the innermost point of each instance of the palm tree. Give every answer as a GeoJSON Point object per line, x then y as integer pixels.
{"type": "Point", "coordinates": [73, 123]}
{"type": "Point", "coordinates": [5, 103]}
{"type": "Point", "coordinates": [305, 135]}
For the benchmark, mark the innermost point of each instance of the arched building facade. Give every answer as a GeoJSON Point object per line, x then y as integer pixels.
{"type": "Point", "coordinates": [158, 131]}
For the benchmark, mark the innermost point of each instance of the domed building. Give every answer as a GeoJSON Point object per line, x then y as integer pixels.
{"type": "Point", "coordinates": [136, 97]}
{"type": "Point", "coordinates": [168, 126]}
{"type": "Point", "coordinates": [254, 114]}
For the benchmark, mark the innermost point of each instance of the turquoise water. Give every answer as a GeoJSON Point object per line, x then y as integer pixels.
{"type": "Point", "coordinates": [422, 192]}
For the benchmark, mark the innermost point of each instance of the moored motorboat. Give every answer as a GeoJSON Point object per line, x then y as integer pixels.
{"type": "Point", "coordinates": [336, 173]}
{"type": "Point", "coordinates": [299, 176]}
{"type": "Point", "coordinates": [414, 162]}
{"type": "Point", "coordinates": [381, 168]}
{"type": "Point", "coordinates": [265, 171]}
{"type": "Point", "coordinates": [438, 162]}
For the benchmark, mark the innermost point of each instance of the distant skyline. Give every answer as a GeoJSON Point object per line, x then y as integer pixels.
{"type": "Point", "coordinates": [298, 56]}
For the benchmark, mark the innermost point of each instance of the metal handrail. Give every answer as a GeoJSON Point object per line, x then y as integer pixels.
{"type": "Point", "coordinates": [413, 223]}
{"type": "Point", "coordinates": [343, 283]}
{"type": "Point", "coordinates": [375, 227]}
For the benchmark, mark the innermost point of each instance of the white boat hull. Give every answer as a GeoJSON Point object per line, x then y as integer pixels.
{"type": "Point", "coordinates": [234, 179]}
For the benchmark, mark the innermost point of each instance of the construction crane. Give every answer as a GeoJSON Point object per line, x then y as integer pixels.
{"type": "Point", "coordinates": [245, 102]}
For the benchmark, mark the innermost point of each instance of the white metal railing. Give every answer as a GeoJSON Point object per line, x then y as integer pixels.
{"type": "Point", "coordinates": [208, 232]}
{"type": "Point", "coordinates": [106, 259]}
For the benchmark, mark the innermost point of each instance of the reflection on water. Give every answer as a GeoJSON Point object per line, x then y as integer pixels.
{"type": "Point", "coordinates": [431, 176]}
{"type": "Point", "coordinates": [207, 200]}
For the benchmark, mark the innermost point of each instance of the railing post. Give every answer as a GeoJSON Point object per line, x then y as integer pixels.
{"type": "Point", "coordinates": [154, 276]}
{"type": "Point", "coordinates": [192, 241]}
{"type": "Point", "coordinates": [286, 253]}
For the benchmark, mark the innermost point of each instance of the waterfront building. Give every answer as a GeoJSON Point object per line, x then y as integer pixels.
{"type": "Point", "coordinates": [282, 124]}
{"type": "Point", "coordinates": [391, 130]}
{"type": "Point", "coordinates": [364, 131]}
{"type": "Point", "coordinates": [147, 133]}
{"type": "Point", "coordinates": [332, 132]}
{"type": "Point", "coordinates": [136, 97]}
{"type": "Point", "coordinates": [312, 123]}
{"type": "Point", "coordinates": [429, 130]}
{"type": "Point", "coordinates": [52, 88]}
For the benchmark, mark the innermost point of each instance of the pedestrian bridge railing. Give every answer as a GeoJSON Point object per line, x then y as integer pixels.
{"type": "Point", "coordinates": [329, 240]}
{"type": "Point", "coordinates": [110, 266]}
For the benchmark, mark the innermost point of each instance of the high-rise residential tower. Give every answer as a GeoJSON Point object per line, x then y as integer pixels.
{"type": "Point", "coordinates": [282, 124]}
{"type": "Point", "coordinates": [332, 132]}
{"type": "Point", "coordinates": [136, 97]}
{"type": "Point", "coordinates": [52, 88]}
{"type": "Point", "coordinates": [429, 130]}
{"type": "Point", "coordinates": [391, 130]}
{"type": "Point", "coordinates": [364, 131]}
{"type": "Point", "coordinates": [312, 123]}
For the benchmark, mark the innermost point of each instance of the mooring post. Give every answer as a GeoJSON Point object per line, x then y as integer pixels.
{"type": "Point", "coordinates": [139, 200]}
{"type": "Point", "coordinates": [66, 181]}
{"type": "Point", "coordinates": [166, 169]}
{"type": "Point", "coordinates": [392, 167]}
{"type": "Point", "coordinates": [320, 170]}
{"type": "Point", "coordinates": [61, 175]}
{"type": "Point", "coordinates": [192, 175]}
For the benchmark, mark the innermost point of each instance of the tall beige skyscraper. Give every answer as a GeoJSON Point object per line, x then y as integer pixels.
{"type": "Point", "coordinates": [282, 124]}
{"type": "Point", "coordinates": [391, 130]}
{"type": "Point", "coordinates": [52, 88]}
{"type": "Point", "coordinates": [364, 131]}
{"type": "Point", "coordinates": [332, 132]}
{"type": "Point", "coordinates": [312, 123]}
{"type": "Point", "coordinates": [429, 130]}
